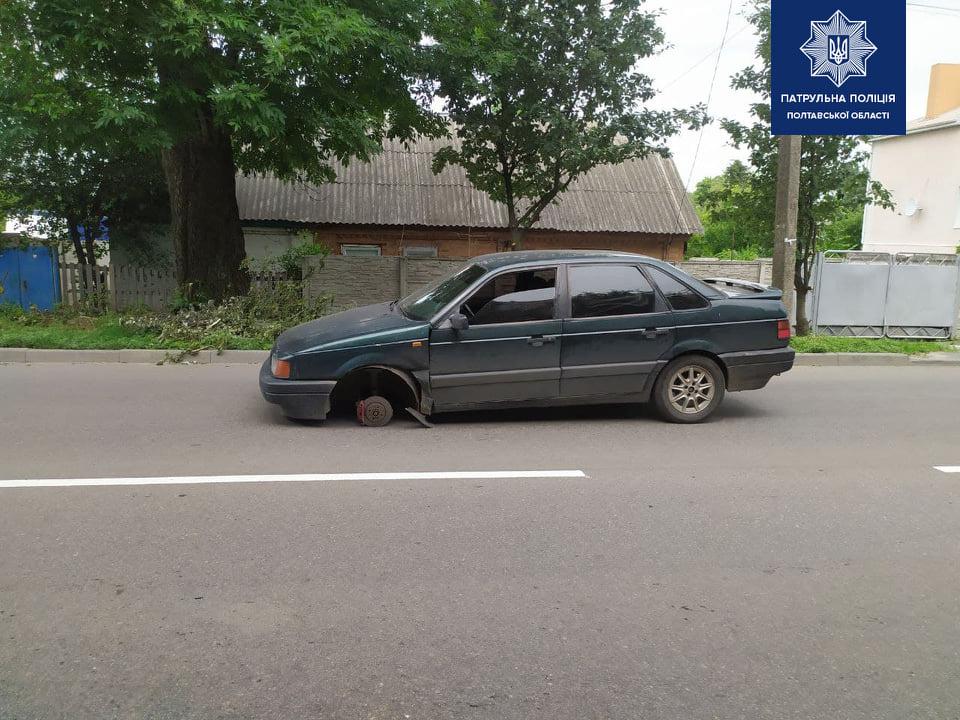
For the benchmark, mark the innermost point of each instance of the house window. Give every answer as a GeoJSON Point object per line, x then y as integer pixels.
{"type": "Point", "coordinates": [420, 251]}
{"type": "Point", "coordinates": [361, 250]}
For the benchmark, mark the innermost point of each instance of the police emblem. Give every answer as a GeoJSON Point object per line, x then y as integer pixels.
{"type": "Point", "coordinates": [838, 48]}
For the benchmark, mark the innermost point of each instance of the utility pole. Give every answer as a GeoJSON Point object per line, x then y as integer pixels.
{"type": "Point", "coordinates": [785, 219]}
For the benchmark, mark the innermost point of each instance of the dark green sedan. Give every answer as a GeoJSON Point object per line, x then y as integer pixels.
{"type": "Point", "coordinates": [537, 329]}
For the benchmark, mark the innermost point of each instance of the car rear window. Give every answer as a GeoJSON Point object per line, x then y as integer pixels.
{"type": "Point", "coordinates": [677, 294]}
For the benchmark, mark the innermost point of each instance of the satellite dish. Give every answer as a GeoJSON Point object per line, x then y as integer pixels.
{"type": "Point", "coordinates": [910, 208]}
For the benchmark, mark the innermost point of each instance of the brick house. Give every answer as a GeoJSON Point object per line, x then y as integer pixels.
{"type": "Point", "coordinates": [396, 206]}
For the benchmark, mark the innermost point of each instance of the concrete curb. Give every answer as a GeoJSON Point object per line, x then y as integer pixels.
{"type": "Point", "coordinates": [937, 358]}
{"type": "Point", "coordinates": [256, 357]}
{"type": "Point", "coordinates": [203, 357]}
{"type": "Point", "coordinates": [874, 359]}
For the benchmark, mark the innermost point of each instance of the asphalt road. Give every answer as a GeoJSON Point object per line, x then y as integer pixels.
{"type": "Point", "coordinates": [797, 557]}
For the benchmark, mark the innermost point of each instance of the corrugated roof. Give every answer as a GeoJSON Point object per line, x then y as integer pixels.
{"type": "Point", "coordinates": [398, 187]}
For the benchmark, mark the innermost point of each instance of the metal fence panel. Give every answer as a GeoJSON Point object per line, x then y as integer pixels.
{"type": "Point", "coordinates": [922, 300]}
{"type": "Point", "coordinates": [28, 277]}
{"type": "Point", "coordinates": [10, 276]}
{"type": "Point", "coordinates": [876, 294]}
{"type": "Point", "coordinates": [39, 279]}
{"type": "Point", "coordinates": [850, 292]}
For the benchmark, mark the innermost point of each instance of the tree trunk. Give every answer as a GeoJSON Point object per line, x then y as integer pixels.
{"type": "Point", "coordinates": [516, 238]}
{"type": "Point", "coordinates": [204, 219]}
{"type": "Point", "coordinates": [90, 248]}
{"type": "Point", "coordinates": [803, 327]}
{"type": "Point", "coordinates": [89, 280]}
{"type": "Point", "coordinates": [74, 231]}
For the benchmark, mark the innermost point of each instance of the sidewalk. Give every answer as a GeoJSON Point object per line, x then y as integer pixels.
{"type": "Point", "coordinates": [203, 357]}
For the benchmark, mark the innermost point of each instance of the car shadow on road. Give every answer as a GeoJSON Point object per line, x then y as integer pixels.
{"type": "Point", "coordinates": [734, 407]}
{"type": "Point", "coordinates": [581, 413]}
{"type": "Point", "coordinates": [731, 408]}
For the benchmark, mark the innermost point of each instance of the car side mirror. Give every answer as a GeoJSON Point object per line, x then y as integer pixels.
{"type": "Point", "coordinates": [459, 322]}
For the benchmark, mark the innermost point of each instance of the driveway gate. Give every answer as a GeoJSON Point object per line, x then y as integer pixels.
{"type": "Point", "coordinates": [29, 277]}
{"type": "Point", "coordinates": [907, 295]}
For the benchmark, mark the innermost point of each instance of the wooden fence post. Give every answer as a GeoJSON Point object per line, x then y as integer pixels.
{"type": "Point", "coordinates": [112, 287]}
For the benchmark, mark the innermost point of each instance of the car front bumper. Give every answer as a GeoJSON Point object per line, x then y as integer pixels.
{"type": "Point", "coordinates": [299, 399]}
{"type": "Point", "coordinates": [752, 370]}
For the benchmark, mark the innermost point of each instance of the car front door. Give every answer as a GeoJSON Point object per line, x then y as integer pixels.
{"type": "Point", "coordinates": [509, 352]}
{"type": "Point", "coordinates": [617, 331]}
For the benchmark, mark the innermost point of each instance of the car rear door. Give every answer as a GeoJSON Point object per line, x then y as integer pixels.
{"type": "Point", "coordinates": [616, 331]}
{"type": "Point", "coordinates": [511, 350]}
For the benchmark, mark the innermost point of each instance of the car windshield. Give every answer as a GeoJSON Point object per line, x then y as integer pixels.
{"type": "Point", "coordinates": [425, 302]}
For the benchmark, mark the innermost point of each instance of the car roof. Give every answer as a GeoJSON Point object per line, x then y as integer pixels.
{"type": "Point", "coordinates": [496, 261]}
{"type": "Point", "coordinates": [528, 258]}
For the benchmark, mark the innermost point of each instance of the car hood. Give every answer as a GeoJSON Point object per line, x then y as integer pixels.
{"type": "Point", "coordinates": [368, 325]}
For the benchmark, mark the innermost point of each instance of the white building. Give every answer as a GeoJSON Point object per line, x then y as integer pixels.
{"type": "Point", "coordinates": [921, 170]}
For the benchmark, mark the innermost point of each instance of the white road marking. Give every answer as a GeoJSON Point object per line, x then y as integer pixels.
{"type": "Point", "coordinates": [312, 477]}
{"type": "Point", "coordinates": [947, 468]}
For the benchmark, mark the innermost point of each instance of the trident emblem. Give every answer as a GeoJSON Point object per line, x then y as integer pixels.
{"type": "Point", "coordinates": [839, 48]}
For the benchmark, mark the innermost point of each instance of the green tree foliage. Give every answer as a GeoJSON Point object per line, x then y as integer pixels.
{"type": "Point", "coordinates": [218, 86]}
{"type": "Point", "coordinates": [55, 162]}
{"type": "Point", "coordinates": [541, 91]}
{"type": "Point", "coordinates": [735, 225]}
{"type": "Point", "coordinates": [834, 180]}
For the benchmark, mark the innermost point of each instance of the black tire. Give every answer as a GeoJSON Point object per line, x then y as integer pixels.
{"type": "Point", "coordinates": [681, 392]}
{"type": "Point", "coordinates": [374, 411]}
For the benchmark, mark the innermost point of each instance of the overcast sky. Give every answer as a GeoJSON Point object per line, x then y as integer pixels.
{"type": "Point", "coordinates": [695, 29]}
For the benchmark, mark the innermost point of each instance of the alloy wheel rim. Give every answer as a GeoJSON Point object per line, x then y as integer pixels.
{"type": "Point", "coordinates": [692, 389]}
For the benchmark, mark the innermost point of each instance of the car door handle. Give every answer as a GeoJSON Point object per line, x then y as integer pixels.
{"type": "Point", "coordinates": [541, 340]}
{"type": "Point", "coordinates": [654, 333]}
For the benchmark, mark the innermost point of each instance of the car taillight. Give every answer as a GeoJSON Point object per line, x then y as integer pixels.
{"type": "Point", "coordinates": [280, 368]}
{"type": "Point", "coordinates": [783, 330]}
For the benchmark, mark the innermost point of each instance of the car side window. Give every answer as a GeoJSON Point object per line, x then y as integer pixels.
{"type": "Point", "coordinates": [605, 290]}
{"type": "Point", "coordinates": [678, 295]}
{"type": "Point", "coordinates": [522, 296]}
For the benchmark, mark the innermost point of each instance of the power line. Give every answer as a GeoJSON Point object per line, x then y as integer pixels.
{"type": "Point", "coordinates": [702, 60]}
{"type": "Point", "coordinates": [713, 82]}
{"type": "Point", "coordinates": [930, 6]}
{"type": "Point", "coordinates": [930, 12]}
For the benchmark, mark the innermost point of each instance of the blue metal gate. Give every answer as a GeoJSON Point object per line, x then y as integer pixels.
{"type": "Point", "coordinates": [29, 277]}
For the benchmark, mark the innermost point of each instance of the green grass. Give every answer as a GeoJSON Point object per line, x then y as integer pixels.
{"type": "Point", "coordinates": [827, 344]}
{"type": "Point", "coordinates": [103, 333]}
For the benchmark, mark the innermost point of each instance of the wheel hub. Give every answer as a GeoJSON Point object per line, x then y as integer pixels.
{"type": "Point", "coordinates": [691, 389]}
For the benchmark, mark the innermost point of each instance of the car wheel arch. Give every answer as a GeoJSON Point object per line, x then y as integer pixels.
{"type": "Point", "coordinates": [368, 378]}
{"type": "Point", "coordinates": [702, 353]}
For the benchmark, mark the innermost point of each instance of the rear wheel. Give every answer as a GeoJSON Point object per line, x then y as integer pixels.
{"type": "Point", "coordinates": [689, 389]}
{"type": "Point", "coordinates": [374, 411]}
